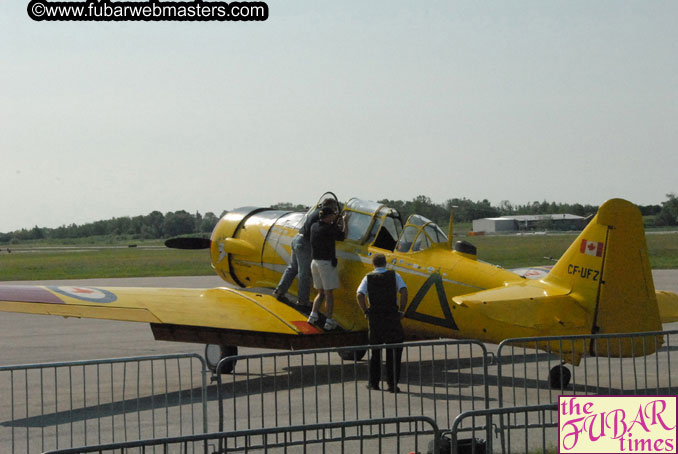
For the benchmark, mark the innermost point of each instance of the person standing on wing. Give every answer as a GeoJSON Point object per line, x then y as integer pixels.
{"type": "Point", "coordinates": [324, 233]}
{"type": "Point", "coordinates": [300, 263]}
{"type": "Point", "coordinates": [382, 287]}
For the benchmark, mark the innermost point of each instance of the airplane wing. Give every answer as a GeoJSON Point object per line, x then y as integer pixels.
{"type": "Point", "coordinates": [222, 311]}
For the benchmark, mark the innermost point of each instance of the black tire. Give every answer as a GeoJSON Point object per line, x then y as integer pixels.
{"type": "Point", "coordinates": [352, 355]}
{"type": "Point", "coordinates": [215, 353]}
{"type": "Point", "coordinates": [559, 377]}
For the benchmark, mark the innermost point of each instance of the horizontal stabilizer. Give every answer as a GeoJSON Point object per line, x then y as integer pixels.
{"type": "Point", "coordinates": [527, 309]}
{"type": "Point", "coordinates": [668, 306]}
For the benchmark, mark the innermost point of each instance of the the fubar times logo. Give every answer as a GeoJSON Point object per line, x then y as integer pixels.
{"type": "Point", "coordinates": [617, 424]}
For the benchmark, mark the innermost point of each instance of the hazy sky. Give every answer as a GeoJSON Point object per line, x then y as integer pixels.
{"type": "Point", "coordinates": [567, 101]}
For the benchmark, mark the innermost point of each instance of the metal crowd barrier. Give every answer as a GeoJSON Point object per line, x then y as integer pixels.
{"type": "Point", "coordinates": [438, 379]}
{"type": "Point", "coordinates": [524, 365]}
{"type": "Point", "coordinates": [51, 406]}
{"type": "Point", "coordinates": [385, 435]}
{"type": "Point", "coordinates": [65, 404]}
{"type": "Point", "coordinates": [519, 429]}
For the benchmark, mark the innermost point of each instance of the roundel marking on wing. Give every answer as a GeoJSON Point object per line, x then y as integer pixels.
{"type": "Point", "coordinates": [89, 294]}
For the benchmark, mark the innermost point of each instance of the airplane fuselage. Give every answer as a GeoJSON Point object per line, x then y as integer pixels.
{"type": "Point", "coordinates": [252, 247]}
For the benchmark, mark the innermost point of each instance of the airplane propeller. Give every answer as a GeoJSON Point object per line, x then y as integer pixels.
{"type": "Point", "coordinates": [188, 243]}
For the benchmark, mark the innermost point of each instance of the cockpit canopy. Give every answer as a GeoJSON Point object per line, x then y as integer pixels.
{"type": "Point", "coordinates": [420, 234]}
{"type": "Point", "coordinates": [380, 226]}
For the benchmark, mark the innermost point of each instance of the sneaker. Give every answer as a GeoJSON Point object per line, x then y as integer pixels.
{"type": "Point", "coordinates": [312, 318]}
{"type": "Point", "coordinates": [330, 324]}
{"type": "Point", "coordinates": [301, 305]}
{"type": "Point", "coordinates": [281, 297]}
{"type": "Point", "coordinates": [394, 389]}
{"type": "Point", "coordinates": [372, 387]}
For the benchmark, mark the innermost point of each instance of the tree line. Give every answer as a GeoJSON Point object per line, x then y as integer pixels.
{"type": "Point", "coordinates": [466, 210]}
{"type": "Point", "coordinates": [157, 225]}
{"type": "Point", "coordinates": [152, 226]}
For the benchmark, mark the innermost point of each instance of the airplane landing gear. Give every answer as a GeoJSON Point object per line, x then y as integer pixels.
{"type": "Point", "coordinates": [214, 353]}
{"type": "Point", "coordinates": [559, 377]}
{"type": "Point", "coordinates": [352, 355]}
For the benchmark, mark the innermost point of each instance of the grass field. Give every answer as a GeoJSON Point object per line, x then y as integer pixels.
{"type": "Point", "coordinates": [40, 261]}
{"type": "Point", "coordinates": [511, 251]}
{"type": "Point", "coordinates": [40, 264]}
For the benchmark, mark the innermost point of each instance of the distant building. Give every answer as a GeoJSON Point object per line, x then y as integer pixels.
{"type": "Point", "coordinates": [526, 223]}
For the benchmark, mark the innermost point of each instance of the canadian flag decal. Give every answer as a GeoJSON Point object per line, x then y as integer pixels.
{"type": "Point", "coordinates": [591, 248]}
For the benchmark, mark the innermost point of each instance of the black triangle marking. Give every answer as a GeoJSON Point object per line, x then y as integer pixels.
{"type": "Point", "coordinates": [446, 322]}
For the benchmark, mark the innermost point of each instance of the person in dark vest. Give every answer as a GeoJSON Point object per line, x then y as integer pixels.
{"type": "Point", "coordinates": [381, 288]}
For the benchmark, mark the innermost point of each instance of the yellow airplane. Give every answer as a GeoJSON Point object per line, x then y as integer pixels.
{"type": "Point", "coordinates": [601, 284]}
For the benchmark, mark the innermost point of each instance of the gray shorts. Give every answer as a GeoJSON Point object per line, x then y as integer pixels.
{"type": "Point", "coordinates": [325, 276]}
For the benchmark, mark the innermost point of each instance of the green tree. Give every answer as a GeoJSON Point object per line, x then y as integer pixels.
{"type": "Point", "coordinates": [287, 206]}
{"type": "Point", "coordinates": [209, 221]}
{"type": "Point", "coordinates": [153, 225]}
{"type": "Point", "coordinates": [669, 212]}
{"type": "Point", "coordinates": [650, 210]}
{"type": "Point", "coordinates": [506, 208]}
{"type": "Point", "coordinates": [178, 223]}
{"type": "Point", "coordinates": [36, 233]}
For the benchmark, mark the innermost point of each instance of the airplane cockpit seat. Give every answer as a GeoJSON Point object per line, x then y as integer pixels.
{"type": "Point", "coordinates": [384, 240]}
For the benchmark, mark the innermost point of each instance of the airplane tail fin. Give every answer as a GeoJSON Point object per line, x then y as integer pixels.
{"type": "Point", "coordinates": [608, 272]}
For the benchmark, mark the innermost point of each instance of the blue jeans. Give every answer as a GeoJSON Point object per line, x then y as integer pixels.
{"type": "Point", "coordinates": [300, 265]}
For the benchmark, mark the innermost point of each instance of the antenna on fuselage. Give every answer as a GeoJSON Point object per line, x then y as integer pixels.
{"type": "Point", "coordinates": [450, 229]}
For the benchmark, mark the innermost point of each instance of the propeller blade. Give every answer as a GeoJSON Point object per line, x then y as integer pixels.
{"type": "Point", "coordinates": [188, 243]}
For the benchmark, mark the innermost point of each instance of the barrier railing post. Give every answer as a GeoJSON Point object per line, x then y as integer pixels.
{"type": "Point", "coordinates": [386, 440]}
{"type": "Point", "coordinates": [602, 355]}
{"type": "Point", "coordinates": [321, 386]}
{"type": "Point", "coordinates": [59, 404]}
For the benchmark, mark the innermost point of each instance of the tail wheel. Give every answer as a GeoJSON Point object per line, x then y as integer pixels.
{"type": "Point", "coordinates": [352, 355]}
{"type": "Point", "coordinates": [559, 377]}
{"type": "Point", "coordinates": [215, 353]}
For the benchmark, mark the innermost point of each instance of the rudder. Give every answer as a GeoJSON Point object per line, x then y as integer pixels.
{"type": "Point", "coordinates": [608, 271]}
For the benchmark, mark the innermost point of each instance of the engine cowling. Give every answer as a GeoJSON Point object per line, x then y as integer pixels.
{"type": "Point", "coordinates": [250, 247]}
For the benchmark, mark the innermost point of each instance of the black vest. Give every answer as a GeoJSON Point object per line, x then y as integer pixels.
{"type": "Point", "coordinates": [382, 292]}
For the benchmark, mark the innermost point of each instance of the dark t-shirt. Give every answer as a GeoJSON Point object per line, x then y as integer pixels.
{"type": "Point", "coordinates": [310, 220]}
{"type": "Point", "coordinates": [323, 236]}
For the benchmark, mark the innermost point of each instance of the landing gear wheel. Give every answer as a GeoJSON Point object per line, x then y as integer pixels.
{"type": "Point", "coordinates": [559, 377]}
{"type": "Point", "coordinates": [352, 355]}
{"type": "Point", "coordinates": [214, 353]}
